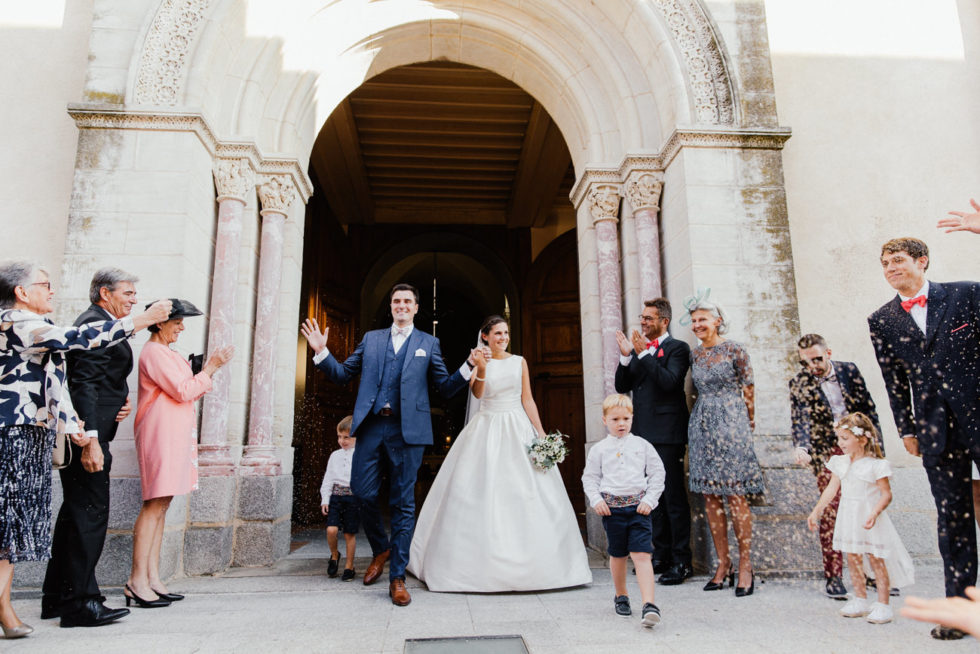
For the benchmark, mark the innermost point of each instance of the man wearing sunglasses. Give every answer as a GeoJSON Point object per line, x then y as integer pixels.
{"type": "Point", "coordinates": [820, 394]}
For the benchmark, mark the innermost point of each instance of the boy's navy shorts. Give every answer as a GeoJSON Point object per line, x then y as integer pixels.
{"type": "Point", "coordinates": [626, 531]}
{"type": "Point", "coordinates": [345, 513]}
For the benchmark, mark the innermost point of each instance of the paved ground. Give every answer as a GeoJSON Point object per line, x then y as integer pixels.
{"type": "Point", "coordinates": [295, 607]}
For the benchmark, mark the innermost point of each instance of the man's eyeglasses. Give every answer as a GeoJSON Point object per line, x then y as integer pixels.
{"type": "Point", "coordinates": [805, 363]}
{"type": "Point", "coordinates": [46, 285]}
{"type": "Point", "coordinates": [647, 318]}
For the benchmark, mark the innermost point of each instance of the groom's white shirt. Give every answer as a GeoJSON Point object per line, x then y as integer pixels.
{"type": "Point", "coordinates": [398, 338]}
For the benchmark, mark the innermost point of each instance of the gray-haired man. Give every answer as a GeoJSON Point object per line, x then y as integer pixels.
{"type": "Point", "coordinates": [100, 393]}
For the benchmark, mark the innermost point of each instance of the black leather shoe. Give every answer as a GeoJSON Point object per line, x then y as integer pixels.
{"type": "Point", "coordinates": [91, 613]}
{"type": "Point", "coordinates": [660, 567]}
{"type": "Point", "coordinates": [50, 608]}
{"type": "Point", "coordinates": [332, 566]}
{"type": "Point", "coordinates": [940, 632]}
{"type": "Point", "coordinates": [675, 575]}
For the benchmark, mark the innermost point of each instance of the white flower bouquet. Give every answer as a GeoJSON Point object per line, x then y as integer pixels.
{"type": "Point", "coordinates": [548, 451]}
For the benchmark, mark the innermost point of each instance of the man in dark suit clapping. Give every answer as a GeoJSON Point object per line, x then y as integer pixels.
{"type": "Point", "coordinates": [927, 340]}
{"type": "Point", "coordinates": [820, 395]}
{"type": "Point", "coordinates": [100, 394]}
{"type": "Point", "coordinates": [653, 366]}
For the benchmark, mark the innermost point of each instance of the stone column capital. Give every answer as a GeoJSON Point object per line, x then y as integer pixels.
{"type": "Point", "coordinates": [234, 178]}
{"type": "Point", "coordinates": [276, 192]}
{"type": "Point", "coordinates": [643, 189]}
{"type": "Point", "coordinates": [603, 202]}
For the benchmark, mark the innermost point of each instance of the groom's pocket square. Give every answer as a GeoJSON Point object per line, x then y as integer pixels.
{"type": "Point", "coordinates": [420, 352]}
{"type": "Point", "coordinates": [959, 328]}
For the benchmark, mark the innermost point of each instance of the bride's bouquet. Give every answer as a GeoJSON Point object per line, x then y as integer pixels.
{"type": "Point", "coordinates": [546, 452]}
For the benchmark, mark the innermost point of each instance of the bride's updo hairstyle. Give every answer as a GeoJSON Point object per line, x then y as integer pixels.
{"type": "Point", "coordinates": [488, 324]}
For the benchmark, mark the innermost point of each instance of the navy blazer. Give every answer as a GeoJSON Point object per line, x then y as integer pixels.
{"type": "Point", "coordinates": [97, 379]}
{"type": "Point", "coordinates": [423, 364]}
{"type": "Point", "coordinates": [937, 372]}
{"type": "Point", "coordinates": [813, 418]}
{"type": "Point", "coordinates": [660, 412]}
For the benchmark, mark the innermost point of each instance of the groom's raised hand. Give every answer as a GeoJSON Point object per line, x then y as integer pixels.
{"type": "Point", "coordinates": [311, 332]}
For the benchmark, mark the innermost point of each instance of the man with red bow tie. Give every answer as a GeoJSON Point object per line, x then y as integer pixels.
{"type": "Point", "coordinates": [927, 340]}
{"type": "Point", "coordinates": [653, 366]}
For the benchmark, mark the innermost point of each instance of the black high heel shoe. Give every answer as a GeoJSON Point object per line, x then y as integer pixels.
{"type": "Point", "coordinates": [743, 592]}
{"type": "Point", "coordinates": [720, 585]}
{"type": "Point", "coordinates": [142, 603]}
{"type": "Point", "coordinates": [170, 597]}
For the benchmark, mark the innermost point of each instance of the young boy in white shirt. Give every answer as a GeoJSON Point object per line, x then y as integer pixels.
{"type": "Point", "coordinates": [338, 503]}
{"type": "Point", "coordinates": [623, 480]}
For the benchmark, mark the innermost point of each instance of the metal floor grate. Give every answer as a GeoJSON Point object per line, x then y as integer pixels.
{"type": "Point", "coordinates": [467, 644]}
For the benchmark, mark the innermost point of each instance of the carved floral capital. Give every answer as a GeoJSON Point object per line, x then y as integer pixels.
{"type": "Point", "coordinates": [604, 202]}
{"type": "Point", "coordinates": [643, 189]}
{"type": "Point", "coordinates": [234, 178]}
{"type": "Point", "coordinates": [277, 192]}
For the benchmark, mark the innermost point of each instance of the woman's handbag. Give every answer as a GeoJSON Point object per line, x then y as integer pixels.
{"type": "Point", "coordinates": [61, 455]}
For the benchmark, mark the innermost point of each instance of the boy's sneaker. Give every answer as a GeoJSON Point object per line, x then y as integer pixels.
{"type": "Point", "coordinates": [856, 607]}
{"type": "Point", "coordinates": [348, 574]}
{"type": "Point", "coordinates": [835, 589]}
{"type": "Point", "coordinates": [651, 615]}
{"type": "Point", "coordinates": [332, 566]}
{"type": "Point", "coordinates": [622, 603]}
{"type": "Point", "coordinates": [880, 613]}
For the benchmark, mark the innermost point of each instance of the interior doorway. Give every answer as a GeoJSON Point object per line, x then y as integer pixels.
{"type": "Point", "coordinates": [455, 180]}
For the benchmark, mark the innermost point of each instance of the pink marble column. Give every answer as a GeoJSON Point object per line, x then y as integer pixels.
{"type": "Point", "coordinates": [260, 456]}
{"type": "Point", "coordinates": [643, 192]}
{"type": "Point", "coordinates": [604, 206]}
{"type": "Point", "coordinates": [235, 182]}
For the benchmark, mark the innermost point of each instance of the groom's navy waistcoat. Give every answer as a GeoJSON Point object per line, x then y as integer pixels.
{"type": "Point", "coordinates": [420, 364]}
{"type": "Point", "coordinates": [389, 389]}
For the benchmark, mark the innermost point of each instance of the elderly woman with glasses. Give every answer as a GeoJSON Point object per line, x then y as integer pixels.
{"type": "Point", "coordinates": [34, 406]}
{"type": "Point", "coordinates": [723, 464]}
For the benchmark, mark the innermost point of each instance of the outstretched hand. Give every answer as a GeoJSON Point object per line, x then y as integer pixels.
{"type": "Point", "coordinates": [639, 341]}
{"type": "Point", "coordinates": [963, 221]}
{"type": "Point", "coordinates": [311, 332]}
{"type": "Point", "coordinates": [957, 612]}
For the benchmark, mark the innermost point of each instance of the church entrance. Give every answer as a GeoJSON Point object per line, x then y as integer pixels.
{"type": "Point", "coordinates": [455, 180]}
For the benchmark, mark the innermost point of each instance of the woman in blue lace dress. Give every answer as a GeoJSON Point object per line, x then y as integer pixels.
{"type": "Point", "coordinates": [34, 406]}
{"type": "Point", "coordinates": [722, 460]}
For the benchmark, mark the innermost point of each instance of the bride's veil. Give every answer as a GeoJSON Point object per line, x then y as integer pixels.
{"type": "Point", "coordinates": [473, 402]}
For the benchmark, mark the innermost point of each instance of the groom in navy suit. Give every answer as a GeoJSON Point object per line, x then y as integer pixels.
{"type": "Point", "coordinates": [927, 340]}
{"type": "Point", "coordinates": [391, 421]}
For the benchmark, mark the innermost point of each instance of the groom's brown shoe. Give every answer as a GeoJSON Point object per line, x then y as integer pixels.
{"type": "Point", "coordinates": [398, 593]}
{"type": "Point", "coordinates": [376, 567]}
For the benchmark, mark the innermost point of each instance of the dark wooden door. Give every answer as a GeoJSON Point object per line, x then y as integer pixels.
{"type": "Point", "coordinates": [329, 297]}
{"type": "Point", "coordinates": [553, 349]}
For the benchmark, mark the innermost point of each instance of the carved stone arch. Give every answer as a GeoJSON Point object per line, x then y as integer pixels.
{"type": "Point", "coordinates": [704, 57]}
{"type": "Point", "coordinates": [161, 70]}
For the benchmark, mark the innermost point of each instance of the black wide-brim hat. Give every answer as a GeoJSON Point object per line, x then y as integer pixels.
{"type": "Point", "coordinates": [180, 309]}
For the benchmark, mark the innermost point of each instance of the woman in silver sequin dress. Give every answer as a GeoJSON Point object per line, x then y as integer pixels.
{"type": "Point", "coordinates": [723, 463]}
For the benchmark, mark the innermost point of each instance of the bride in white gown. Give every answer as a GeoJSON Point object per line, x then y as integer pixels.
{"type": "Point", "coordinates": [492, 521]}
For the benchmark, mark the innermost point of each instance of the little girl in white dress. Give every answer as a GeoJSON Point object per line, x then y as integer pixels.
{"type": "Point", "coordinates": [862, 525]}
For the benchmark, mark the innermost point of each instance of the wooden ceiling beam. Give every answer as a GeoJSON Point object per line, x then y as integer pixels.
{"type": "Point", "coordinates": [455, 111]}
{"type": "Point", "coordinates": [443, 215]}
{"type": "Point", "coordinates": [542, 167]}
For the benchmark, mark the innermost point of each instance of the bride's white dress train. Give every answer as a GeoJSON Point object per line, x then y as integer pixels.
{"type": "Point", "coordinates": [492, 521]}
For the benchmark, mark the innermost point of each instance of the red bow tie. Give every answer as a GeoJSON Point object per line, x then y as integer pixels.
{"type": "Point", "coordinates": [908, 304]}
{"type": "Point", "coordinates": [655, 343]}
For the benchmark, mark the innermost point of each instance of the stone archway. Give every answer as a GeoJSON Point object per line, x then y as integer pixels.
{"type": "Point", "coordinates": [663, 88]}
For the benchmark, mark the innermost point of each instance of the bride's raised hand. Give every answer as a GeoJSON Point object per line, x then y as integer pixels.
{"type": "Point", "coordinates": [479, 358]}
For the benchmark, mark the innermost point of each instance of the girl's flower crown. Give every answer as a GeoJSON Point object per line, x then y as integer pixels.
{"type": "Point", "coordinates": [854, 429]}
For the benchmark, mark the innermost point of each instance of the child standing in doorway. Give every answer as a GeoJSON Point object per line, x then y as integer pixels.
{"type": "Point", "coordinates": [338, 503]}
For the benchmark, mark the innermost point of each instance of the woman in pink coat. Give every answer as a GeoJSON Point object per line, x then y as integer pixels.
{"type": "Point", "coordinates": [166, 446]}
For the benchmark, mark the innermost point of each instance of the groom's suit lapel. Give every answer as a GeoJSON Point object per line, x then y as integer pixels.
{"type": "Point", "coordinates": [903, 325]}
{"type": "Point", "coordinates": [410, 346]}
